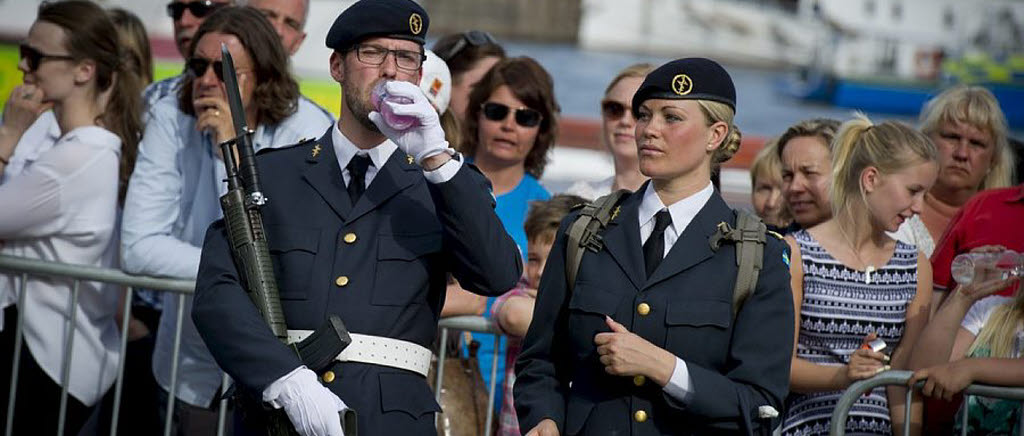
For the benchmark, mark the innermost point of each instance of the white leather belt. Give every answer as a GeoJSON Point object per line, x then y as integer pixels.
{"type": "Point", "coordinates": [379, 350]}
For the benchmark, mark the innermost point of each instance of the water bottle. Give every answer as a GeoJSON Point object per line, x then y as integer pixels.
{"type": "Point", "coordinates": [1005, 264]}
{"type": "Point", "coordinates": [380, 94]}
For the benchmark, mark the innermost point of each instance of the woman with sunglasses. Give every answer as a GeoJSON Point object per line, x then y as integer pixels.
{"type": "Point", "coordinates": [469, 56]}
{"type": "Point", "coordinates": [173, 195]}
{"type": "Point", "coordinates": [63, 208]}
{"type": "Point", "coordinates": [511, 123]}
{"type": "Point", "coordinates": [647, 340]}
{"type": "Point", "coordinates": [617, 126]}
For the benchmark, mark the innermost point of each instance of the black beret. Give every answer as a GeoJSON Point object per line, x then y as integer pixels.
{"type": "Point", "coordinates": [687, 79]}
{"type": "Point", "coordinates": [403, 19]}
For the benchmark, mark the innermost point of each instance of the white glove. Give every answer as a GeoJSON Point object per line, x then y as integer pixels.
{"type": "Point", "coordinates": [311, 407]}
{"type": "Point", "coordinates": [422, 140]}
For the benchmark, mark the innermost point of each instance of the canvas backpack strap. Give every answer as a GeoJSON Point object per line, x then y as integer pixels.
{"type": "Point", "coordinates": [749, 237]}
{"type": "Point", "coordinates": [585, 232]}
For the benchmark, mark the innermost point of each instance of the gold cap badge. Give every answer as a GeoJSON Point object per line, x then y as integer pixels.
{"type": "Point", "coordinates": [415, 24]}
{"type": "Point", "coordinates": [681, 84]}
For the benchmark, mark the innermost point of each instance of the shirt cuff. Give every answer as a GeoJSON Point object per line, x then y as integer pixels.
{"type": "Point", "coordinates": [679, 384]}
{"type": "Point", "coordinates": [444, 172]}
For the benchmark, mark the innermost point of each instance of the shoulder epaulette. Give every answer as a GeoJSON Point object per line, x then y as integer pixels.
{"type": "Point", "coordinates": [775, 234]}
{"type": "Point", "coordinates": [302, 142]}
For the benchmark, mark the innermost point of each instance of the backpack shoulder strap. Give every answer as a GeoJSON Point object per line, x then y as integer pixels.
{"type": "Point", "coordinates": [585, 231]}
{"type": "Point", "coordinates": [749, 237]}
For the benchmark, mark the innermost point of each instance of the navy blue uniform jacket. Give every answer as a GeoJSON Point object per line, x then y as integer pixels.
{"type": "Point", "coordinates": [389, 280]}
{"type": "Point", "coordinates": [735, 365]}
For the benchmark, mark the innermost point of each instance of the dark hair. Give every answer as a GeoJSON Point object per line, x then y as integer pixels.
{"type": "Point", "coordinates": [91, 35]}
{"type": "Point", "coordinates": [545, 216]}
{"type": "Point", "coordinates": [531, 84]}
{"type": "Point", "coordinates": [134, 39]}
{"type": "Point", "coordinates": [464, 59]}
{"type": "Point", "coordinates": [276, 95]}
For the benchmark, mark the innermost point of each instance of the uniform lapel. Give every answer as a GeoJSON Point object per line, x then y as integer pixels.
{"type": "Point", "coordinates": [397, 174]}
{"type": "Point", "coordinates": [693, 247]}
{"type": "Point", "coordinates": [324, 176]}
{"type": "Point", "coordinates": [622, 239]}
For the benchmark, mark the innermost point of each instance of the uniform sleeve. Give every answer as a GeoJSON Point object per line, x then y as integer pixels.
{"type": "Point", "coordinates": [483, 257]}
{"type": "Point", "coordinates": [234, 331]}
{"type": "Point", "coordinates": [948, 247]}
{"type": "Point", "coordinates": [542, 377]}
{"type": "Point", "coordinates": [760, 352]}
{"type": "Point", "coordinates": [153, 204]}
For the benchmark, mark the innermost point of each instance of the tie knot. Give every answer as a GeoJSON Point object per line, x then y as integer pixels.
{"type": "Point", "coordinates": [662, 220]}
{"type": "Point", "coordinates": [358, 165]}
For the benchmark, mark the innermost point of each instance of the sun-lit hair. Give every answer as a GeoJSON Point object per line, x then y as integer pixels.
{"type": "Point", "coordinates": [545, 216]}
{"type": "Point", "coordinates": [976, 107]}
{"type": "Point", "coordinates": [1000, 330]}
{"type": "Point", "coordinates": [889, 146]}
{"type": "Point", "coordinates": [640, 70]}
{"type": "Point", "coordinates": [821, 128]}
{"type": "Point", "coordinates": [714, 112]}
{"type": "Point", "coordinates": [767, 162]}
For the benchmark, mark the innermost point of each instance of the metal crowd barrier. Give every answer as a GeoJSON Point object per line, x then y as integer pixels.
{"type": "Point", "coordinates": [34, 267]}
{"type": "Point", "coordinates": [894, 377]}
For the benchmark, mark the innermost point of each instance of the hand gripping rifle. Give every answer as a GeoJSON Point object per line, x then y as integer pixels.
{"type": "Point", "coordinates": [248, 241]}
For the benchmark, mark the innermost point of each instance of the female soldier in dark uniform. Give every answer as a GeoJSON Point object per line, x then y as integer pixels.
{"type": "Point", "coordinates": [646, 341]}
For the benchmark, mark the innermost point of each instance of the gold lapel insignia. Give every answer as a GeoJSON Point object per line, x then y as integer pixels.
{"type": "Point", "coordinates": [409, 159]}
{"type": "Point", "coordinates": [316, 150]}
{"type": "Point", "coordinates": [615, 213]}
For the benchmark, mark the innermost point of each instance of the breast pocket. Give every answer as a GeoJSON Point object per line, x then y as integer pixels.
{"type": "Point", "coordinates": [699, 328]}
{"type": "Point", "coordinates": [403, 267]}
{"type": "Point", "coordinates": [293, 252]}
{"type": "Point", "coordinates": [589, 304]}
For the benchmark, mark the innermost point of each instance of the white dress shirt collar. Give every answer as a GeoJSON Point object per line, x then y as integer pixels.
{"type": "Point", "coordinates": [344, 149]}
{"type": "Point", "coordinates": [682, 211]}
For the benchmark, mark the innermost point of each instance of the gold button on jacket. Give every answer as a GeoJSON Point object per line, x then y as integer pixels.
{"type": "Point", "coordinates": [328, 376]}
{"type": "Point", "coordinates": [639, 380]}
{"type": "Point", "coordinates": [640, 416]}
{"type": "Point", "coordinates": [350, 238]}
{"type": "Point", "coordinates": [341, 281]}
{"type": "Point", "coordinates": [643, 309]}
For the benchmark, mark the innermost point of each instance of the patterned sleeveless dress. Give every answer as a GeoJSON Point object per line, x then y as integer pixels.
{"type": "Point", "coordinates": [839, 308]}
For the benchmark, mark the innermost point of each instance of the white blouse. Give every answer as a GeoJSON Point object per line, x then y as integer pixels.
{"type": "Point", "coordinates": [63, 208]}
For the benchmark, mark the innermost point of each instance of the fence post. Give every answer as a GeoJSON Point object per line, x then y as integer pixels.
{"type": "Point", "coordinates": [172, 395]}
{"type": "Point", "coordinates": [69, 342]}
{"type": "Point", "coordinates": [126, 316]}
{"type": "Point", "coordinates": [19, 336]}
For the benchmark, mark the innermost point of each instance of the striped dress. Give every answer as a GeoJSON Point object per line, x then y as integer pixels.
{"type": "Point", "coordinates": [839, 308]}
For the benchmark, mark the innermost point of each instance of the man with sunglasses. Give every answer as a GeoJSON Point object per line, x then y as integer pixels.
{"type": "Point", "coordinates": [365, 223]}
{"type": "Point", "coordinates": [174, 192]}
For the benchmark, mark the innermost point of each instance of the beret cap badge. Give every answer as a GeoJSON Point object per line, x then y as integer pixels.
{"type": "Point", "coordinates": [415, 23]}
{"type": "Point", "coordinates": [682, 84]}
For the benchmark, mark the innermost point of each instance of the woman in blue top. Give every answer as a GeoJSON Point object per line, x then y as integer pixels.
{"type": "Point", "coordinates": [511, 124]}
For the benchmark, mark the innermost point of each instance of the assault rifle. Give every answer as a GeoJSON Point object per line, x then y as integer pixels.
{"type": "Point", "coordinates": [244, 223]}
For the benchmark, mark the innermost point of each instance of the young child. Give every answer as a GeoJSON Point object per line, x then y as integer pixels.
{"type": "Point", "coordinates": [513, 311]}
{"type": "Point", "coordinates": [766, 188]}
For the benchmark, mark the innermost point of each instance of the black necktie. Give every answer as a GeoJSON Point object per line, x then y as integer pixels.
{"type": "Point", "coordinates": [357, 176]}
{"type": "Point", "coordinates": [654, 248]}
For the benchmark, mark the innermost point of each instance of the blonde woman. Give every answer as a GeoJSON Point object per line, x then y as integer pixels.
{"type": "Point", "coordinates": [970, 133]}
{"type": "Point", "coordinates": [852, 283]}
{"type": "Point", "coordinates": [766, 187]}
{"type": "Point", "coordinates": [646, 342]}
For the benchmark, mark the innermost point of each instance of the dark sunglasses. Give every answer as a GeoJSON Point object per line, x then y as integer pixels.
{"type": "Point", "coordinates": [198, 67]}
{"type": "Point", "coordinates": [613, 110]}
{"type": "Point", "coordinates": [35, 57]}
{"type": "Point", "coordinates": [525, 116]}
{"type": "Point", "coordinates": [198, 9]}
{"type": "Point", "coordinates": [471, 38]}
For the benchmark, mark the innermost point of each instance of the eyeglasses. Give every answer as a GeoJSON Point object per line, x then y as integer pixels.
{"type": "Point", "coordinates": [525, 116]}
{"type": "Point", "coordinates": [375, 55]}
{"type": "Point", "coordinates": [198, 9]}
{"type": "Point", "coordinates": [473, 38]}
{"type": "Point", "coordinates": [613, 110]}
{"type": "Point", "coordinates": [35, 57]}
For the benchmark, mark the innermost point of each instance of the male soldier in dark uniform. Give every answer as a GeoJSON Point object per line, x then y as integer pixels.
{"type": "Point", "coordinates": [363, 223]}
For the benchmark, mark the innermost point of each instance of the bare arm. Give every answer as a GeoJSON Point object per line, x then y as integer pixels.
{"type": "Point", "coordinates": [917, 317]}
{"type": "Point", "coordinates": [515, 315]}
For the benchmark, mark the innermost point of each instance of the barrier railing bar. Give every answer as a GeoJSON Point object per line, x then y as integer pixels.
{"type": "Point", "coordinates": [69, 343]}
{"type": "Point", "coordinates": [171, 396]}
{"type": "Point", "coordinates": [126, 316]}
{"type": "Point", "coordinates": [439, 376]}
{"type": "Point", "coordinates": [494, 380]}
{"type": "Point", "coordinates": [91, 273]}
{"type": "Point", "coordinates": [898, 377]}
{"type": "Point", "coordinates": [19, 334]}
{"type": "Point", "coordinates": [222, 414]}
